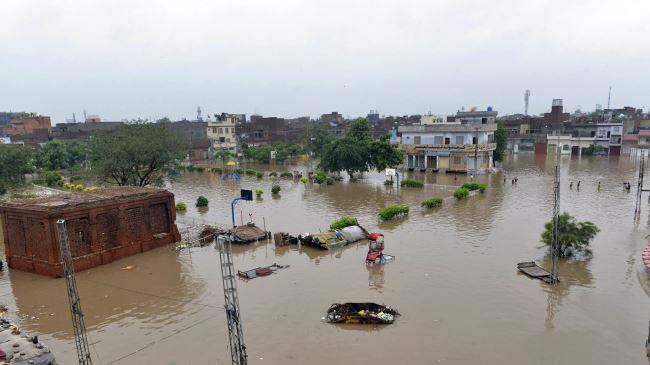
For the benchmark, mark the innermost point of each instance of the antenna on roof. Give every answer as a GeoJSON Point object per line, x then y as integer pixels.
{"type": "Point", "coordinates": [609, 96]}
{"type": "Point", "coordinates": [199, 117]}
{"type": "Point", "coordinates": [526, 98]}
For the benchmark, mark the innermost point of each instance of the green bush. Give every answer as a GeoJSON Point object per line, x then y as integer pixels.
{"type": "Point", "coordinates": [320, 177]}
{"type": "Point", "coordinates": [410, 183]}
{"type": "Point", "coordinates": [276, 189]}
{"type": "Point", "coordinates": [304, 180]}
{"type": "Point", "coordinates": [392, 211]}
{"type": "Point", "coordinates": [388, 182]}
{"type": "Point", "coordinates": [239, 171]}
{"type": "Point", "coordinates": [259, 174]}
{"type": "Point", "coordinates": [54, 179]}
{"type": "Point", "coordinates": [181, 207]}
{"type": "Point", "coordinates": [461, 193]}
{"type": "Point", "coordinates": [471, 186]}
{"type": "Point", "coordinates": [201, 201]}
{"type": "Point", "coordinates": [273, 173]}
{"type": "Point", "coordinates": [432, 203]}
{"type": "Point", "coordinates": [38, 181]}
{"type": "Point", "coordinates": [336, 177]}
{"type": "Point", "coordinates": [286, 174]}
{"type": "Point", "coordinates": [189, 168]}
{"type": "Point", "coordinates": [343, 222]}
{"type": "Point", "coordinates": [329, 181]}
{"type": "Point", "coordinates": [218, 170]}
{"type": "Point", "coordinates": [251, 172]}
{"type": "Point", "coordinates": [76, 178]}
{"type": "Point", "coordinates": [258, 193]}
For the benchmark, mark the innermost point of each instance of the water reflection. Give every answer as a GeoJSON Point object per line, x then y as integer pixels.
{"type": "Point", "coordinates": [376, 277]}
{"type": "Point", "coordinates": [572, 272]}
{"type": "Point", "coordinates": [152, 294]}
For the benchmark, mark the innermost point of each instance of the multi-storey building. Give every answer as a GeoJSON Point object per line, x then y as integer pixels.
{"type": "Point", "coordinates": [465, 144]}
{"type": "Point", "coordinates": [221, 132]}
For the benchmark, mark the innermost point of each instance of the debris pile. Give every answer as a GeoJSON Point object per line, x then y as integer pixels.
{"type": "Point", "coordinates": [361, 313]}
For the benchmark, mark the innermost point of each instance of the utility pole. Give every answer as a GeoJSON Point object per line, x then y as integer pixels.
{"type": "Point", "coordinates": [609, 97]}
{"type": "Point", "coordinates": [78, 325]}
{"type": "Point", "coordinates": [231, 301]}
{"type": "Point", "coordinates": [555, 245]}
{"type": "Point", "coordinates": [639, 189]}
{"type": "Point", "coordinates": [476, 152]}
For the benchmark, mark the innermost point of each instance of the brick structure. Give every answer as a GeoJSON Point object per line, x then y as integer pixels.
{"type": "Point", "coordinates": [103, 225]}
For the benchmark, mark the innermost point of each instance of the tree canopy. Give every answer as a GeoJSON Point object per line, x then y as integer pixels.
{"type": "Point", "coordinates": [573, 236]}
{"type": "Point", "coordinates": [135, 154]}
{"type": "Point", "coordinates": [58, 154]}
{"type": "Point", "coordinates": [501, 139]}
{"type": "Point", "coordinates": [317, 136]}
{"type": "Point", "coordinates": [357, 152]}
{"type": "Point", "coordinates": [15, 162]}
{"type": "Point", "coordinates": [263, 153]}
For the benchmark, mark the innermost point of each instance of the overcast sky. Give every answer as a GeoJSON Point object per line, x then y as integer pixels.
{"type": "Point", "coordinates": [155, 58]}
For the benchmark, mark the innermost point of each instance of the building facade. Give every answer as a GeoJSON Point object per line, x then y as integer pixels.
{"type": "Point", "coordinates": [221, 132]}
{"type": "Point", "coordinates": [103, 225]}
{"type": "Point", "coordinates": [465, 148]}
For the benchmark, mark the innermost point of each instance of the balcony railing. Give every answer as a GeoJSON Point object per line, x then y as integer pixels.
{"type": "Point", "coordinates": [448, 147]}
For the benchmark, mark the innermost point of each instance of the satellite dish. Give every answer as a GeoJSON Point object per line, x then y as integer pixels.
{"type": "Point", "coordinates": [489, 108]}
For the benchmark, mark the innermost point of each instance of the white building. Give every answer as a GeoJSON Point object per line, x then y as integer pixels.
{"type": "Point", "coordinates": [221, 132]}
{"type": "Point", "coordinates": [466, 144]}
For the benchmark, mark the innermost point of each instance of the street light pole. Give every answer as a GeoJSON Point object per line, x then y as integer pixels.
{"type": "Point", "coordinates": [476, 152]}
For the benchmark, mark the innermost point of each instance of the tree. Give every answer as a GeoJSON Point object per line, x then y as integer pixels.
{"type": "Point", "coordinates": [15, 162]}
{"type": "Point", "coordinates": [135, 154]}
{"type": "Point", "coordinates": [58, 154]}
{"type": "Point", "coordinates": [359, 129]}
{"type": "Point", "coordinates": [357, 152]}
{"type": "Point", "coordinates": [573, 236]}
{"type": "Point", "coordinates": [317, 135]}
{"type": "Point", "coordinates": [501, 139]}
{"type": "Point", "coordinates": [384, 155]}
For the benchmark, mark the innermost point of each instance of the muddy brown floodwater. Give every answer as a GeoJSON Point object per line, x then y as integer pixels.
{"type": "Point", "coordinates": [454, 280]}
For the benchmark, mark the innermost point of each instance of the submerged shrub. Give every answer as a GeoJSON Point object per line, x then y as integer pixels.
{"type": "Point", "coordinates": [251, 172]}
{"type": "Point", "coordinates": [389, 182]}
{"type": "Point", "coordinates": [258, 193]}
{"type": "Point", "coordinates": [304, 180]}
{"type": "Point", "coordinates": [276, 189]}
{"type": "Point", "coordinates": [201, 201]}
{"type": "Point", "coordinates": [53, 178]}
{"type": "Point", "coordinates": [181, 207]}
{"type": "Point", "coordinates": [392, 211]}
{"type": "Point", "coordinates": [471, 186]}
{"type": "Point", "coordinates": [286, 174]}
{"type": "Point", "coordinates": [76, 178]}
{"type": "Point", "coordinates": [461, 193]}
{"type": "Point", "coordinates": [259, 174]}
{"type": "Point", "coordinates": [273, 173]}
{"type": "Point", "coordinates": [410, 183]}
{"type": "Point", "coordinates": [199, 169]}
{"type": "Point", "coordinates": [343, 222]}
{"type": "Point", "coordinates": [320, 177]}
{"type": "Point", "coordinates": [218, 170]}
{"type": "Point", "coordinates": [432, 202]}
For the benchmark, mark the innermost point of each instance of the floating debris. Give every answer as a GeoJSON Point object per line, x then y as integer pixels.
{"type": "Point", "coordinates": [129, 267]}
{"type": "Point", "coordinates": [361, 313]}
{"type": "Point", "coordinates": [535, 271]}
{"type": "Point", "coordinates": [260, 271]}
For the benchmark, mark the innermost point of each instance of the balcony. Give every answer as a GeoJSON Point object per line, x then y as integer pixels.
{"type": "Point", "coordinates": [415, 148]}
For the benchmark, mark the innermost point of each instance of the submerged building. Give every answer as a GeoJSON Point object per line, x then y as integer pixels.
{"type": "Point", "coordinates": [103, 225]}
{"type": "Point", "coordinates": [465, 143]}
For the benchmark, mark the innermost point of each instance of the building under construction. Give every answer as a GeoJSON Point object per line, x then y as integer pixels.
{"type": "Point", "coordinates": [103, 225]}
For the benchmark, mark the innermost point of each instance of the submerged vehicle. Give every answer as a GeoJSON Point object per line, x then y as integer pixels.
{"type": "Point", "coordinates": [361, 313]}
{"type": "Point", "coordinates": [376, 250]}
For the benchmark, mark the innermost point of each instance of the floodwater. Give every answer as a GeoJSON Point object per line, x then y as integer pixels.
{"type": "Point", "coordinates": [454, 281]}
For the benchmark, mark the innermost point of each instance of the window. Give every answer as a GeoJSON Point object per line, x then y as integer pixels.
{"type": "Point", "coordinates": [447, 140]}
{"type": "Point", "coordinates": [232, 130]}
{"type": "Point", "coordinates": [457, 160]}
{"type": "Point", "coordinates": [483, 120]}
{"type": "Point", "coordinates": [490, 138]}
{"type": "Point", "coordinates": [417, 140]}
{"type": "Point", "coordinates": [460, 139]}
{"type": "Point", "coordinates": [222, 139]}
{"type": "Point", "coordinates": [437, 140]}
{"type": "Point", "coordinates": [474, 140]}
{"type": "Point", "coordinates": [220, 130]}
{"type": "Point", "coordinates": [214, 130]}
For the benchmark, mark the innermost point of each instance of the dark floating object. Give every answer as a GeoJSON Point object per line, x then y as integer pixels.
{"type": "Point", "coordinates": [260, 271]}
{"type": "Point", "coordinates": [533, 270]}
{"type": "Point", "coordinates": [361, 313]}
